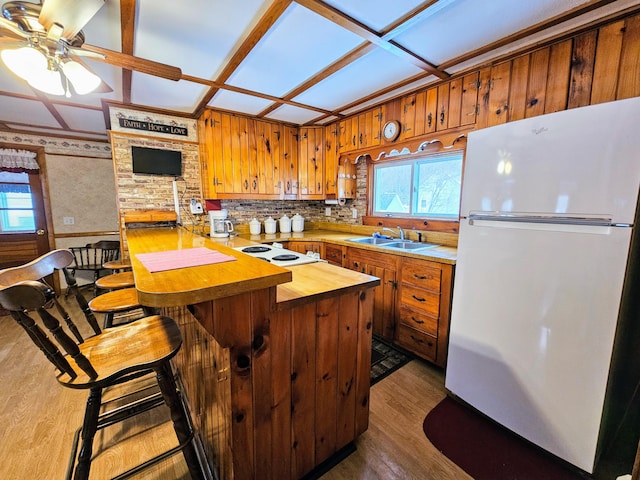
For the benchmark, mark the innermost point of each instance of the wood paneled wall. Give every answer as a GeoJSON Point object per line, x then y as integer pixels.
{"type": "Point", "coordinates": [592, 66]}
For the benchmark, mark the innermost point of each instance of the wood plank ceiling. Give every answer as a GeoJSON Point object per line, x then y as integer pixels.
{"type": "Point", "coordinates": [304, 62]}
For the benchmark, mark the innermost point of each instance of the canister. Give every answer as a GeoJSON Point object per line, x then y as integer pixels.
{"type": "Point", "coordinates": [254, 226]}
{"type": "Point", "coordinates": [285, 224]}
{"type": "Point", "coordinates": [297, 223]}
{"type": "Point", "coordinates": [269, 226]}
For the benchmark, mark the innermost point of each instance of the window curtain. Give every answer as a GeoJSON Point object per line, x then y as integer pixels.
{"type": "Point", "coordinates": [18, 161]}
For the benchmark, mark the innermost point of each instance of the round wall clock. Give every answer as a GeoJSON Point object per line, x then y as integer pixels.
{"type": "Point", "coordinates": [391, 130]}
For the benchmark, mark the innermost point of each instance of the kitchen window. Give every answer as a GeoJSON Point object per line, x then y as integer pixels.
{"type": "Point", "coordinates": [424, 187]}
{"type": "Point", "coordinates": [16, 204]}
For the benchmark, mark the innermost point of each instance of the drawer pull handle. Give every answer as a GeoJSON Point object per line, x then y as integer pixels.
{"type": "Point", "coordinates": [419, 299]}
{"type": "Point", "coordinates": [419, 322]}
{"type": "Point", "coordinates": [419, 277]}
{"type": "Point", "coordinates": [418, 340]}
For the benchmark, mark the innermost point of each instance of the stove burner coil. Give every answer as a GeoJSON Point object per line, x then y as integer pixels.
{"type": "Point", "coordinates": [285, 257]}
{"type": "Point", "coordinates": [256, 249]}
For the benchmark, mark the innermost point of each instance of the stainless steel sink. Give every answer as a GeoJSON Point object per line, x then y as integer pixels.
{"type": "Point", "coordinates": [373, 240]}
{"type": "Point", "coordinates": [408, 245]}
{"type": "Point", "coordinates": [393, 243]}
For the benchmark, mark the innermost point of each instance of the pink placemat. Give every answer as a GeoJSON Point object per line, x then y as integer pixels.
{"type": "Point", "coordinates": [174, 259]}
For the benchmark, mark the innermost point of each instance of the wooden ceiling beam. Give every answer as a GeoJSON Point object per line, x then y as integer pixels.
{"type": "Point", "coordinates": [370, 35]}
{"type": "Point", "coordinates": [244, 91]}
{"type": "Point", "coordinates": [127, 34]}
{"type": "Point", "coordinates": [52, 109]}
{"type": "Point", "coordinates": [269, 18]}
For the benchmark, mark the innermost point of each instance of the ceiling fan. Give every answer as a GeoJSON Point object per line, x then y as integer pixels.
{"type": "Point", "coordinates": [43, 42]}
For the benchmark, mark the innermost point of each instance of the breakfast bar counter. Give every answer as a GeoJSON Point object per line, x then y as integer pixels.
{"type": "Point", "coordinates": [275, 362]}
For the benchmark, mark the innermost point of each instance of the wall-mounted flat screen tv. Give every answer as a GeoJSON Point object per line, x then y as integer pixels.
{"type": "Point", "coordinates": [154, 161]}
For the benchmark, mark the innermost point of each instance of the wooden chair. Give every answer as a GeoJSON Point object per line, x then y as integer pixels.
{"type": "Point", "coordinates": [122, 303]}
{"type": "Point", "coordinates": [114, 357]}
{"type": "Point", "coordinates": [115, 281]}
{"type": "Point", "coordinates": [93, 256]}
{"type": "Point", "coordinates": [49, 264]}
{"type": "Point", "coordinates": [117, 265]}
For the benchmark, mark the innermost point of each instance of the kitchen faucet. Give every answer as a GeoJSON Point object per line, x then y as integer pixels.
{"type": "Point", "coordinates": [393, 231]}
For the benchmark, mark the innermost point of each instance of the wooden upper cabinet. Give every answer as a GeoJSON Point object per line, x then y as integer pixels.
{"type": "Point", "coordinates": [311, 163]}
{"type": "Point", "coordinates": [289, 163]}
{"type": "Point", "coordinates": [245, 158]}
{"type": "Point", "coordinates": [331, 154]}
{"type": "Point", "coordinates": [408, 117]}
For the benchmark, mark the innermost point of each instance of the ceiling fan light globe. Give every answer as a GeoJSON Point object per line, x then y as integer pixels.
{"type": "Point", "coordinates": [49, 81]}
{"type": "Point", "coordinates": [83, 80]}
{"type": "Point", "coordinates": [26, 62]}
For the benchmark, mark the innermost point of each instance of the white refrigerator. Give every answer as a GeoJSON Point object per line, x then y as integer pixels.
{"type": "Point", "coordinates": [538, 339]}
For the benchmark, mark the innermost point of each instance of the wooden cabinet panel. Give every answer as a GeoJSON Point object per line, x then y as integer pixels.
{"type": "Point", "coordinates": [499, 94]}
{"type": "Point", "coordinates": [421, 274]}
{"type": "Point", "coordinates": [420, 108]}
{"type": "Point", "coordinates": [608, 51]}
{"type": "Point", "coordinates": [418, 342]}
{"type": "Point", "coordinates": [385, 268]}
{"type": "Point", "coordinates": [582, 60]}
{"type": "Point", "coordinates": [311, 163]}
{"type": "Point", "coordinates": [558, 77]}
{"type": "Point", "coordinates": [455, 102]}
{"type": "Point", "coordinates": [331, 160]}
{"type": "Point", "coordinates": [518, 89]}
{"type": "Point", "coordinates": [408, 119]}
{"type": "Point", "coordinates": [425, 323]}
{"type": "Point", "coordinates": [304, 247]}
{"type": "Point", "coordinates": [629, 82]}
{"type": "Point", "coordinates": [422, 300]}
{"type": "Point", "coordinates": [431, 110]}
{"type": "Point", "coordinates": [289, 163]}
{"type": "Point", "coordinates": [424, 306]}
{"type": "Point", "coordinates": [334, 254]}
{"type": "Point", "coordinates": [442, 118]}
{"type": "Point", "coordinates": [537, 87]}
{"type": "Point", "coordinates": [469, 99]}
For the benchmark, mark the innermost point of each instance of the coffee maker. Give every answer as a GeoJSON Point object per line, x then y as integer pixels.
{"type": "Point", "coordinates": [219, 226]}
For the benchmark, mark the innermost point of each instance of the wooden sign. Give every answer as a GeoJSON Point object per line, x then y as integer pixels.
{"type": "Point", "coordinates": [153, 127]}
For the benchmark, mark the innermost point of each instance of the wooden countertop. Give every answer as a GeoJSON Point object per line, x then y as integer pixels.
{"type": "Point", "coordinates": [191, 285]}
{"type": "Point", "coordinates": [441, 253]}
{"type": "Point", "coordinates": [295, 285]}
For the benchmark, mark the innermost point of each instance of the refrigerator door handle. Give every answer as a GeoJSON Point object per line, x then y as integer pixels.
{"type": "Point", "coordinates": [553, 220]}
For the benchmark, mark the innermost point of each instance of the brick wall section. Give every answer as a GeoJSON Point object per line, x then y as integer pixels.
{"type": "Point", "coordinates": [141, 192]}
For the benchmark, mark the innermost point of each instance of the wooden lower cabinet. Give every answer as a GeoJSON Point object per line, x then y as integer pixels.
{"type": "Point", "coordinates": [304, 247]}
{"type": "Point", "coordinates": [334, 254]}
{"type": "Point", "coordinates": [424, 308]}
{"type": "Point", "coordinates": [385, 267]}
{"type": "Point", "coordinates": [275, 390]}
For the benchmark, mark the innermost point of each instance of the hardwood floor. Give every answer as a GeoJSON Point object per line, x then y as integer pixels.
{"type": "Point", "coordinates": [38, 419]}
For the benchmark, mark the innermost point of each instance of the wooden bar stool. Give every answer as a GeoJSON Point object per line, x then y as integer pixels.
{"type": "Point", "coordinates": [114, 357]}
{"type": "Point", "coordinates": [117, 265]}
{"type": "Point", "coordinates": [115, 281]}
{"type": "Point", "coordinates": [122, 302]}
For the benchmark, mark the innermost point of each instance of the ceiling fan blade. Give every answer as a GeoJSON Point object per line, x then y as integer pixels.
{"type": "Point", "coordinates": [135, 63]}
{"type": "Point", "coordinates": [10, 29]}
{"type": "Point", "coordinates": [81, 52]}
{"type": "Point", "coordinates": [73, 15]}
